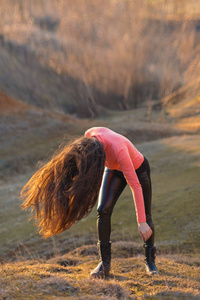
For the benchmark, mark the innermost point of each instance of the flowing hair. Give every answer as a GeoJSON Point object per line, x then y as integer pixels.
{"type": "Point", "coordinates": [66, 188]}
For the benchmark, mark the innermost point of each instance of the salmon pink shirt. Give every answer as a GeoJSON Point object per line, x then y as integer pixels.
{"type": "Point", "coordinates": [122, 155]}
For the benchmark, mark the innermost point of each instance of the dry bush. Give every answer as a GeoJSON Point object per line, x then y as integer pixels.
{"type": "Point", "coordinates": [115, 54]}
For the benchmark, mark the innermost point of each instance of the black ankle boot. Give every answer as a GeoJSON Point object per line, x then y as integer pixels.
{"type": "Point", "coordinates": [149, 252]}
{"type": "Point", "coordinates": [103, 268]}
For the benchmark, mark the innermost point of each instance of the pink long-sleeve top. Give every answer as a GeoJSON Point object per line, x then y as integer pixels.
{"type": "Point", "coordinates": [122, 155]}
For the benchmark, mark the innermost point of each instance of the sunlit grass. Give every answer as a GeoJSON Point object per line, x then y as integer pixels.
{"type": "Point", "coordinates": [56, 278]}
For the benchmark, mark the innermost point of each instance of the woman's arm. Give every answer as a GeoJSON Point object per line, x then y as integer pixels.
{"type": "Point", "coordinates": [125, 162]}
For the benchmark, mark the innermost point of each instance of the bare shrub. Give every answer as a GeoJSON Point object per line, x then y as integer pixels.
{"type": "Point", "coordinates": [47, 23]}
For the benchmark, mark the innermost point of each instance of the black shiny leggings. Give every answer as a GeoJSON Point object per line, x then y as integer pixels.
{"type": "Point", "coordinates": [113, 184]}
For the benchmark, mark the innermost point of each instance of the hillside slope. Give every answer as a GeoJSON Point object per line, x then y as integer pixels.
{"type": "Point", "coordinates": [46, 51]}
{"type": "Point", "coordinates": [25, 130]}
{"type": "Point", "coordinates": [11, 106]}
{"type": "Point", "coordinates": [58, 268]}
{"type": "Point", "coordinates": [175, 207]}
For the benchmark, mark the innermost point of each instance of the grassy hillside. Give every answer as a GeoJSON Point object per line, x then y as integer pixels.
{"type": "Point", "coordinates": [175, 206]}
{"type": "Point", "coordinates": [174, 162]}
{"type": "Point", "coordinates": [79, 56]}
{"type": "Point", "coordinates": [58, 268]}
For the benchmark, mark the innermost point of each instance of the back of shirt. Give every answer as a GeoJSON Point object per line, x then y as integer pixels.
{"type": "Point", "coordinates": [115, 143]}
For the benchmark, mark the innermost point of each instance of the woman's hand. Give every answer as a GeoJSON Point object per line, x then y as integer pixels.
{"type": "Point", "coordinates": [144, 231]}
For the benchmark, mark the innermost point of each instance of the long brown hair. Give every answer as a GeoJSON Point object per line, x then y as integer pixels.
{"type": "Point", "coordinates": [66, 188]}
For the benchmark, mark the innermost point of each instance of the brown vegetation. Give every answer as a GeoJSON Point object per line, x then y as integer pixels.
{"type": "Point", "coordinates": [11, 106]}
{"type": "Point", "coordinates": [80, 56]}
{"type": "Point", "coordinates": [67, 277]}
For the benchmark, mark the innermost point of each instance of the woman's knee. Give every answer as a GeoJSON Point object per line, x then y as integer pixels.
{"type": "Point", "coordinates": [104, 211]}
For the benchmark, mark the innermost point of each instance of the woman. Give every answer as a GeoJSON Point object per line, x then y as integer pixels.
{"type": "Point", "coordinates": [65, 190]}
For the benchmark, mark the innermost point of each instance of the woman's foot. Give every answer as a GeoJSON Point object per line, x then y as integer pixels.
{"type": "Point", "coordinates": [150, 259]}
{"type": "Point", "coordinates": [101, 271]}
{"type": "Point", "coordinates": [103, 268]}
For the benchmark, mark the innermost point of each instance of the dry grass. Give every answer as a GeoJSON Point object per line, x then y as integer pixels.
{"type": "Point", "coordinates": [186, 114]}
{"type": "Point", "coordinates": [140, 51]}
{"type": "Point", "coordinates": [67, 277]}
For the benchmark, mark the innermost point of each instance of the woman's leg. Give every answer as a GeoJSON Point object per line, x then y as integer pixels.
{"type": "Point", "coordinates": [113, 184]}
{"type": "Point", "coordinates": [143, 174]}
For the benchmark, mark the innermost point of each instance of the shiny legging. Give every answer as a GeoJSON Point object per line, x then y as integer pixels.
{"type": "Point", "coordinates": [113, 184]}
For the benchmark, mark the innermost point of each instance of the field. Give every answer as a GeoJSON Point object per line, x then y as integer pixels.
{"type": "Point", "coordinates": [127, 65]}
{"type": "Point", "coordinates": [58, 268]}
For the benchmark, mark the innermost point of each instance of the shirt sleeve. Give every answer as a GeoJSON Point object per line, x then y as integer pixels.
{"type": "Point", "coordinates": [125, 162]}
